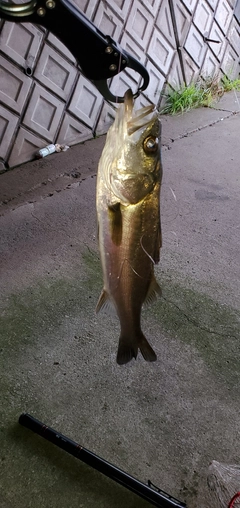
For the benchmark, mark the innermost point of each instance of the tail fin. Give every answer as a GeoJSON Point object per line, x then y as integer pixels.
{"type": "Point", "coordinates": [147, 351]}
{"type": "Point", "coordinates": [128, 349]}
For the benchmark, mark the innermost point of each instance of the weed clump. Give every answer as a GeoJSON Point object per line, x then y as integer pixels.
{"type": "Point", "coordinates": [203, 92]}
{"type": "Point", "coordinates": [229, 84]}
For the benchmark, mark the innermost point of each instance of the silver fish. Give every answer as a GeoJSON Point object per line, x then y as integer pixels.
{"type": "Point", "coordinates": [128, 210]}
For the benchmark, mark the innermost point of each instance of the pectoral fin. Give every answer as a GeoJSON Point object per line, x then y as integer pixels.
{"type": "Point", "coordinates": [115, 219]}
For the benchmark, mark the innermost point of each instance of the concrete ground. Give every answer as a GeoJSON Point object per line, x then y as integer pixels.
{"type": "Point", "coordinates": [164, 421]}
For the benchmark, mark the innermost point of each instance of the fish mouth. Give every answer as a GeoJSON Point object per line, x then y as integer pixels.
{"type": "Point", "coordinates": [137, 119]}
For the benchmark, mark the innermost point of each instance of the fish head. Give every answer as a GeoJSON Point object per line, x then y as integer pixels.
{"type": "Point", "coordinates": [133, 152]}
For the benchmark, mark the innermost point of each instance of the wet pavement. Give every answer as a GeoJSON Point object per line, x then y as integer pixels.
{"type": "Point", "coordinates": [164, 421]}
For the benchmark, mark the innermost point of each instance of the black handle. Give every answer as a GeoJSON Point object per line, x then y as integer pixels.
{"type": "Point", "coordinates": [153, 495]}
{"type": "Point", "coordinates": [98, 55]}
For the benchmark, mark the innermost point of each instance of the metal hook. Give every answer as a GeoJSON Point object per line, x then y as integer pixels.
{"type": "Point", "coordinates": [18, 10]}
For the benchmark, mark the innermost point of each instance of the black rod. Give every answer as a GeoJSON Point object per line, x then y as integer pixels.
{"type": "Point", "coordinates": [152, 494]}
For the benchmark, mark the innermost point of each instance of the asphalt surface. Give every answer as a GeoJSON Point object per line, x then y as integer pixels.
{"type": "Point", "coordinates": [164, 422]}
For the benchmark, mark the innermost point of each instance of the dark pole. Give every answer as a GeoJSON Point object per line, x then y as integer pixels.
{"type": "Point", "coordinates": [152, 494]}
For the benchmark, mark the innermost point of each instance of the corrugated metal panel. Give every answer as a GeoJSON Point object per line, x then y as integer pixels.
{"type": "Point", "coordinates": [86, 102]}
{"type": "Point", "coordinates": [44, 113]}
{"type": "Point", "coordinates": [55, 73]}
{"type": "Point", "coordinates": [21, 43]}
{"type": "Point", "coordinates": [237, 11]}
{"type": "Point", "coordinates": [58, 104]}
{"type": "Point", "coordinates": [8, 124]}
{"type": "Point", "coordinates": [72, 131]}
{"type": "Point", "coordinates": [25, 146]}
{"type": "Point", "coordinates": [15, 86]}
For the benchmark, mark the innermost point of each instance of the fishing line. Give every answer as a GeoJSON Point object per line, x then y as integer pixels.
{"type": "Point", "coordinates": [223, 481]}
{"type": "Point", "coordinates": [119, 69]}
{"type": "Point", "coordinates": [237, 100]}
{"type": "Point", "coordinates": [175, 234]}
{"type": "Point", "coordinates": [121, 269]}
{"type": "Point", "coordinates": [176, 201]}
{"type": "Point", "coordinates": [150, 257]}
{"type": "Point", "coordinates": [173, 193]}
{"type": "Point", "coordinates": [171, 189]}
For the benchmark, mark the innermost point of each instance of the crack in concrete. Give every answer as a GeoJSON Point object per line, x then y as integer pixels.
{"type": "Point", "coordinates": [196, 324]}
{"type": "Point", "coordinates": [198, 129]}
{"type": "Point", "coordinates": [226, 110]}
{"type": "Point", "coordinates": [32, 189]}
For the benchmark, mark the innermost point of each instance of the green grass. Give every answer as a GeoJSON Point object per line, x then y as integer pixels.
{"type": "Point", "coordinates": [230, 84]}
{"type": "Point", "coordinates": [201, 93]}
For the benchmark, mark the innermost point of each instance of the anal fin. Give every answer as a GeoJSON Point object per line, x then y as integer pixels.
{"type": "Point", "coordinates": [104, 303]}
{"type": "Point", "coordinates": [154, 291]}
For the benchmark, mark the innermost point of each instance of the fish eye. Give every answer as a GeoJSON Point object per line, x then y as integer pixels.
{"type": "Point", "coordinates": [150, 144]}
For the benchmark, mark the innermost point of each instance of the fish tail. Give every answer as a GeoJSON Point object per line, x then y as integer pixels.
{"type": "Point", "coordinates": [128, 349]}
{"type": "Point", "coordinates": [147, 351]}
